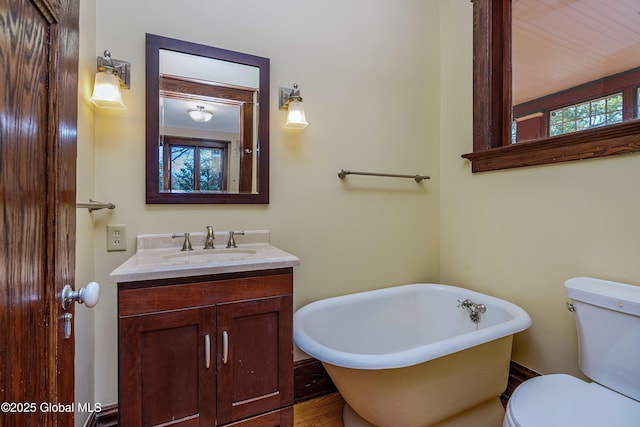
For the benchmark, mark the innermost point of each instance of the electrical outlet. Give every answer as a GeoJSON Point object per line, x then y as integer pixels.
{"type": "Point", "coordinates": [116, 237]}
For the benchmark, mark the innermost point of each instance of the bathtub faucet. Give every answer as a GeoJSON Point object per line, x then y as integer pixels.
{"type": "Point", "coordinates": [475, 310]}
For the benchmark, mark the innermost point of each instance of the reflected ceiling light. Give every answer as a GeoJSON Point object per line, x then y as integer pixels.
{"type": "Point", "coordinates": [112, 75]}
{"type": "Point", "coordinates": [200, 114]}
{"type": "Point", "coordinates": [291, 100]}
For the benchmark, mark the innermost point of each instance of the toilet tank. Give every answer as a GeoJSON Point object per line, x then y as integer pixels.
{"type": "Point", "coordinates": [608, 323]}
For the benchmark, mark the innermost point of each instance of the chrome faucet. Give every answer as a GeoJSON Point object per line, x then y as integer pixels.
{"type": "Point", "coordinates": [208, 241]}
{"type": "Point", "coordinates": [231, 243]}
{"type": "Point", "coordinates": [475, 310]}
{"type": "Point", "coordinates": [186, 245]}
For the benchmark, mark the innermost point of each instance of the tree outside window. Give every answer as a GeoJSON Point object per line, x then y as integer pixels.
{"type": "Point", "coordinates": [193, 165]}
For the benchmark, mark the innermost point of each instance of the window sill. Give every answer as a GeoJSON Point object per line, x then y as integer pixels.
{"type": "Point", "coordinates": [622, 138]}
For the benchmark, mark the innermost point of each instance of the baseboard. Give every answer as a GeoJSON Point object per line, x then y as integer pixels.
{"type": "Point", "coordinates": [310, 380]}
{"type": "Point", "coordinates": [107, 417]}
{"type": "Point", "coordinates": [517, 375]}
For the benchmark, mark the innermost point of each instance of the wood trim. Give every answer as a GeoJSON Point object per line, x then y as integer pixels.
{"type": "Point", "coordinates": [107, 417]}
{"type": "Point", "coordinates": [621, 138]}
{"type": "Point", "coordinates": [492, 149]}
{"type": "Point", "coordinates": [310, 380]}
{"type": "Point", "coordinates": [153, 196]}
{"type": "Point", "coordinates": [517, 375]}
{"type": "Point", "coordinates": [246, 148]}
{"type": "Point", "coordinates": [187, 89]}
{"type": "Point", "coordinates": [491, 77]}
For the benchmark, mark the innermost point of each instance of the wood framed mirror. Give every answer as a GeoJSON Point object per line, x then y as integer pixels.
{"type": "Point", "coordinates": [494, 144]}
{"type": "Point", "coordinates": [207, 124]}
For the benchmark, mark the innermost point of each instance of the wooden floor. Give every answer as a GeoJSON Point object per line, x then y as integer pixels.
{"type": "Point", "coordinates": [325, 411]}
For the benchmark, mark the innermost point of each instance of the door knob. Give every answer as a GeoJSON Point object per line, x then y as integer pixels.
{"type": "Point", "coordinates": [88, 295]}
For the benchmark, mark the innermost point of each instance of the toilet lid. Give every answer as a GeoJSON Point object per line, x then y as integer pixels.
{"type": "Point", "coordinates": [562, 400]}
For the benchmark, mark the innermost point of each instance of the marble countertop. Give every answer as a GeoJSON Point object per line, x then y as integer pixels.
{"type": "Point", "coordinates": [158, 256]}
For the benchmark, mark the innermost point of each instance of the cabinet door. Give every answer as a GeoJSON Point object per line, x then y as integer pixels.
{"type": "Point", "coordinates": [255, 357]}
{"type": "Point", "coordinates": [167, 369]}
{"type": "Point", "coordinates": [279, 418]}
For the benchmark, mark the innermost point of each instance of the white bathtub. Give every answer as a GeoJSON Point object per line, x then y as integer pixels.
{"type": "Point", "coordinates": [408, 356]}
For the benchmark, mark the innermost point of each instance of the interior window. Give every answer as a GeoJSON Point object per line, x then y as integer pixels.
{"type": "Point", "coordinates": [597, 112]}
{"type": "Point", "coordinates": [520, 75]}
{"type": "Point", "coordinates": [194, 165]}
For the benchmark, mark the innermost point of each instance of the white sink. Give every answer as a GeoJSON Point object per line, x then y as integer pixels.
{"type": "Point", "coordinates": [210, 256]}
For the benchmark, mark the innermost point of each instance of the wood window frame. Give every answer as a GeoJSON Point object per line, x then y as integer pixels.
{"type": "Point", "coordinates": [170, 141]}
{"type": "Point", "coordinates": [492, 148]}
{"type": "Point", "coordinates": [625, 83]}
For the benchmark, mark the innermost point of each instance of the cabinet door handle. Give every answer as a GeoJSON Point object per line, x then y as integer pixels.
{"type": "Point", "coordinates": [225, 347]}
{"type": "Point", "coordinates": [207, 351]}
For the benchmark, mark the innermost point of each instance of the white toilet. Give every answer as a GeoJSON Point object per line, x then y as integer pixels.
{"type": "Point", "coordinates": [608, 324]}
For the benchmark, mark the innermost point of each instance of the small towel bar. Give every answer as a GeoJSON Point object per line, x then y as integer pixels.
{"type": "Point", "coordinates": [94, 206]}
{"type": "Point", "coordinates": [342, 173]}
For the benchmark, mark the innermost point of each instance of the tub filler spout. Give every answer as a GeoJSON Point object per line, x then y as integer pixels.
{"type": "Point", "coordinates": [475, 310]}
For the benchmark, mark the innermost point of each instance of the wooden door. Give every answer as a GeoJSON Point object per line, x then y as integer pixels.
{"type": "Point", "coordinates": [168, 374]}
{"type": "Point", "coordinates": [38, 114]}
{"type": "Point", "coordinates": [255, 357]}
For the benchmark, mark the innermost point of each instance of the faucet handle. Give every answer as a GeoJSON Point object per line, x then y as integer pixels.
{"type": "Point", "coordinates": [208, 241]}
{"type": "Point", "coordinates": [186, 245]}
{"type": "Point", "coordinates": [231, 243]}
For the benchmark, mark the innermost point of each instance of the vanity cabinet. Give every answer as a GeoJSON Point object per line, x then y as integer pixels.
{"type": "Point", "coordinates": [212, 350]}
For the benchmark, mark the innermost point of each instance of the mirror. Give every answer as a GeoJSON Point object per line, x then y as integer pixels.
{"type": "Point", "coordinates": [207, 124]}
{"type": "Point", "coordinates": [494, 131]}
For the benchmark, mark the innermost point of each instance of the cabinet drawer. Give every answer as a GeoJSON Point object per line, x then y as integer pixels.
{"type": "Point", "coordinates": [134, 300]}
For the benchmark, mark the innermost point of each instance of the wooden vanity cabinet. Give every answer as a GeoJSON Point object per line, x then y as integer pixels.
{"type": "Point", "coordinates": [207, 350]}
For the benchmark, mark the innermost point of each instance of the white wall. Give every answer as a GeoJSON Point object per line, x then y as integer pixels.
{"type": "Point", "coordinates": [519, 234]}
{"type": "Point", "coordinates": [369, 74]}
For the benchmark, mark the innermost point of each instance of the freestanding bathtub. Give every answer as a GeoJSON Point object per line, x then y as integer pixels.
{"type": "Point", "coordinates": [410, 356]}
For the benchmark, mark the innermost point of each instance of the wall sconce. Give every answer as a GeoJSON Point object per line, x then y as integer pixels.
{"type": "Point", "coordinates": [200, 114]}
{"type": "Point", "coordinates": [291, 100]}
{"type": "Point", "coordinates": [112, 75]}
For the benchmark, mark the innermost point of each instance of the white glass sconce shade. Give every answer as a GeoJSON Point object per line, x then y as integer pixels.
{"type": "Point", "coordinates": [112, 75]}
{"type": "Point", "coordinates": [291, 100]}
{"type": "Point", "coordinates": [106, 91]}
{"type": "Point", "coordinates": [296, 118]}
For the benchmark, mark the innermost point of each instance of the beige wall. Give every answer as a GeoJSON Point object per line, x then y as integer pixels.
{"type": "Point", "coordinates": [368, 72]}
{"type": "Point", "coordinates": [403, 70]}
{"type": "Point", "coordinates": [520, 234]}
{"type": "Point", "coordinates": [84, 326]}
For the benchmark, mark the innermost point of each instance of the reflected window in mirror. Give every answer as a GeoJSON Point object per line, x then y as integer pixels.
{"type": "Point", "coordinates": [192, 165]}
{"type": "Point", "coordinates": [207, 124]}
{"type": "Point", "coordinates": [553, 82]}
